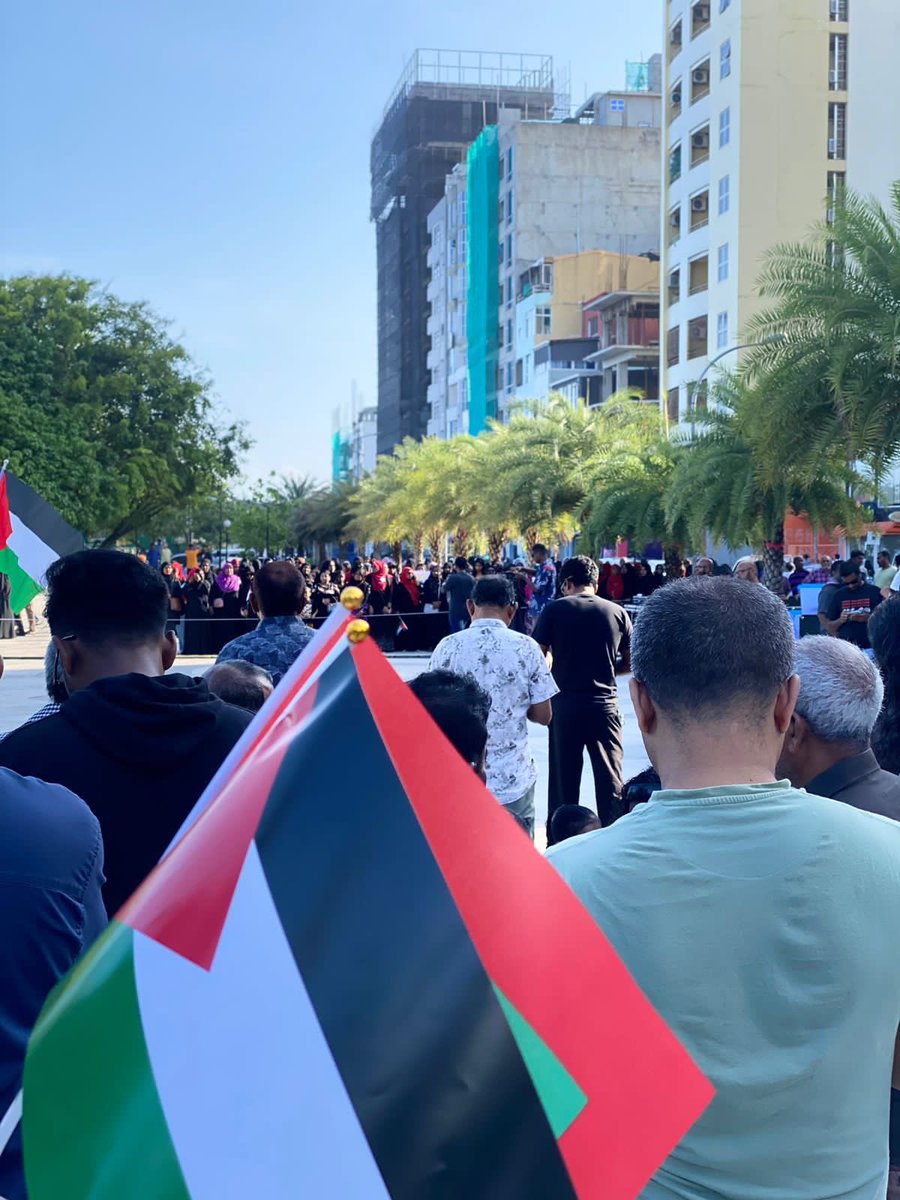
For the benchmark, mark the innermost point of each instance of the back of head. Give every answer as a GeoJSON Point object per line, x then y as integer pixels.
{"type": "Point", "coordinates": [841, 692]}
{"type": "Point", "coordinates": [494, 591]}
{"type": "Point", "coordinates": [639, 788]}
{"type": "Point", "coordinates": [459, 707]}
{"type": "Point", "coordinates": [570, 820]}
{"type": "Point", "coordinates": [884, 636]}
{"type": "Point", "coordinates": [280, 590]}
{"type": "Point", "coordinates": [241, 683]}
{"type": "Point", "coordinates": [712, 646]}
{"type": "Point", "coordinates": [461, 564]}
{"type": "Point", "coordinates": [580, 571]}
{"type": "Point", "coordinates": [105, 597]}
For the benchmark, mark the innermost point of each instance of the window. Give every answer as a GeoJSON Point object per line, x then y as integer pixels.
{"type": "Point", "coordinates": [675, 101]}
{"type": "Point", "coordinates": [700, 17]}
{"type": "Point", "coordinates": [675, 286]}
{"type": "Point", "coordinates": [699, 146]}
{"type": "Point", "coordinates": [837, 130]}
{"type": "Point", "coordinates": [593, 327]}
{"type": "Point", "coordinates": [509, 249]}
{"type": "Point", "coordinates": [509, 290]}
{"type": "Point", "coordinates": [837, 181]}
{"type": "Point", "coordinates": [675, 40]}
{"type": "Point", "coordinates": [675, 163]}
{"type": "Point", "coordinates": [698, 275]}
{"type": "Point", "coordinates": [672, 404]}
{"type": "Point", "coordinates": [837, 63]}
{"type": "Point", "coordinates": [616, 104]}
{"type": "Point", "coordinates": [839, 10]}
{"type": "Point", "coordinates": [509, 334]}
{"type": "Point", "coordinates": [724, 194]}
{"type": "Point", "coordinates": [700, 81]}
{"type": "Point", "coordinates": [519, 373]}
{"type": "Point", "coordinates": [509, 374]}
{"type": "Point", "coordinates": [724, 127]}
{"type": "Point", "coordinates": [509, 163]}
{"type": "Point", "coordinates": [452, 428]}
{"type": "Point", "coordinates": [700, 210]}
{"type": "Point", "coordinates": [723, 4]}
{"type": "Point", "coordinates": [509, 207]}
{"type": "Point", "coordinates": [697, 334]}
{"type": "Point", "coordinates": [542, 320]}
{"type": "Point", "coordinates": [672, 338]}
{"type": "Point", "coordinates": [723, 263]}
{"type": "Point", "coordinates": [722, 331]}
{"type": "Point", "coordinates": [674, 225]}
{"type": "Point", "coordinates": [725, 59]}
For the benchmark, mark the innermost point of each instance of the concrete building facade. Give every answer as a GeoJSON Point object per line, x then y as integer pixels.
{"type": "Point", "coordinates": [363, 443]}
{"type": "Point", "coordinates": [448, 389]}
{"type": "Point", "coordinates": [771, 106]}
{"type": "Point", "coordinates": [441, 103]}
{"type": "Point", "coordinates": [564, 188]}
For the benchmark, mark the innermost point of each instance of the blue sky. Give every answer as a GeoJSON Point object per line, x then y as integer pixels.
{"type": "Point", "coordinates": [212, 159]}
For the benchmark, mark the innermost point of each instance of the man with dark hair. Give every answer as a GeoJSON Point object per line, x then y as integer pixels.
{"type": "Point", "coordinates": [457, 589]}
{"type": "Point", "coordinates": [586, 640]}
{"type": "Point", "coordinates": [460, 708]}
{"type": "Point", "coordinates": [760, 921]}
{"type": "Point", "coordinates": [240, 682]}
{"type": "Point", "coordinates": [139, 746]}
{"type": "Point", "coordinates": [572, 820]}
{"type": "Point", "coordinates": [278, 595]}
{"type": "Point", "coordinates": [851, 604]}
{"type": "Point", "coordinates": [512, 670]}
{"type": "Point", "coordinates": [543, 585]}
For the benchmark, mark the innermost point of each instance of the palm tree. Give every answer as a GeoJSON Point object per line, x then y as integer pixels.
{"type": "Point", "coordinates": [727, 481]}
{"type": "Point", "coordinates": [835, 377]}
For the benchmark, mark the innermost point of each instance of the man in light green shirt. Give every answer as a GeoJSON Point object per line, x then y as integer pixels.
{"type": "Point", "coordinates": [884, 576]}
{"type": "Point", "coordinates": [759, 920]}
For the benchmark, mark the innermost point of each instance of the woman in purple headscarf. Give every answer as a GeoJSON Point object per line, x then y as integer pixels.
{"type": "Point", "coordinates": [225, 602]}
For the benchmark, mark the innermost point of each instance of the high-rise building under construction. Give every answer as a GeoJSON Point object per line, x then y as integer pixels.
{"type": "Point", "coordinates": [440, 105]}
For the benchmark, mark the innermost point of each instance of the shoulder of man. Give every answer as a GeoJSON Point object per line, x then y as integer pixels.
{"type": "Point", "coordinates": [20, 750]}
{"type": "Point", "coordinates": [50, 833]}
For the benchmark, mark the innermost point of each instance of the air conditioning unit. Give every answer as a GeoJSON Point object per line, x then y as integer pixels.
{"type": "Point", "coordinates": [700, 203]}
{"type": "Point", "coordinates": [700, 141]}
{"type": "Point", "coordinates": [700, 75]}
{"type": "Point", "coordinates": [676, 97]}
{"type": "Point", "coordinates": [832, 147]}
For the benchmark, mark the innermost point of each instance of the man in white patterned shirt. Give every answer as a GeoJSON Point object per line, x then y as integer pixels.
{"type": "Point", "coordinates": [514, 673]}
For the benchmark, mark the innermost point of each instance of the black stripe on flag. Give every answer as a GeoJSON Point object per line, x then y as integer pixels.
{"type": "Point", "coordinates": [41, 518]}
{"type": "Point", "coordinates": [412, 1020]}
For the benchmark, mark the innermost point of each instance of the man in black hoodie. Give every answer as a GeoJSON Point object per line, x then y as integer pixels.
{"type": "Point", "coordinates": [137, 745]}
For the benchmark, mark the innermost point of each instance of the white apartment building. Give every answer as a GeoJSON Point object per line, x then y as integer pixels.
{"type": "Point", "coordinates": [448, 394]}
{"type": "Point", "coordinates": [363, 443]}
{"type": "Point", "coordinates": [771, 105]}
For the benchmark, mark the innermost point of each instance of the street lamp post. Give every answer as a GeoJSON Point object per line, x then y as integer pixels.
{"type": "Point", "coordinates": [774, 339]}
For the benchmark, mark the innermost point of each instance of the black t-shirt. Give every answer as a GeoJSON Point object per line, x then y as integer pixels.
{"type": "Point", "coordinates": [586, 635]}
{"type": "Point", "coordinates": [864, 598]}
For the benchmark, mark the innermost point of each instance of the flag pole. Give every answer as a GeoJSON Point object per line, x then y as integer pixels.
{"type": "Point", "coordinates": [12, 1116]}
{"type": "Point", "coordinates": [2, 473]}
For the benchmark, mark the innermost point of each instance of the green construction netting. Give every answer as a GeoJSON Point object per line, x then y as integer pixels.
{"type": "Point", "coordinates": [483, 289]}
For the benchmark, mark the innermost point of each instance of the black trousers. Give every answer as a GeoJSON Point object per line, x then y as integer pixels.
{"type": "Point", "coordinates": [580, 723]}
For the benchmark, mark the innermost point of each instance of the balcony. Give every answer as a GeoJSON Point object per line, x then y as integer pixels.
{"type": "Point", "coordinates": [839, 10]}
{"type": "Point", "coordinates": [673, 225]}
{"type": "Point", "coordinates": [675, 40]}
{"type": "Point", "coordinates": [698, 279]}
{"type": "Point", "coordinates": [699, 210]}
{"type": "Point", "coordinates": [837, 63]}
{"type": "Point", "coordinates": [672, 338]}
{"type": "Point", "coordinates": [675, 102]}
{"type": "Point", "coordinates": [700, 81]}
{"type": "Point", "coordinates": [697, 337]}
{"type": "Point", "coordinates": [675, 163]}
{"type": "Point", "coordinates": [700, 17]}
{"type": "Point", "coordinates": [674, 287]}
{"type": "Point", "coordinates": [700, 146]}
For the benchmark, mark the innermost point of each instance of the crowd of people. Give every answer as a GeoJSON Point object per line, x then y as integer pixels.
{"type": "Point", "coordinates": [747, 878]}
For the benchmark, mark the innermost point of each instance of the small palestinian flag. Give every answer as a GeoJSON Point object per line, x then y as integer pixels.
{"type": "Point", "coordinates": [364, 997]}
{"type": "Point", "coordinates": [32, 536]}
{"type": "Point", "coordinates": [402, 626]}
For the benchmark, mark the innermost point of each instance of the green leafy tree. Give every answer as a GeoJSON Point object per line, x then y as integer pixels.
{"type": "Point", "coordinates": [323, 517]}
{"type": "Point", "coordinates": [102, 412]}
{"type": "Point", "coordinates": [725, 482]}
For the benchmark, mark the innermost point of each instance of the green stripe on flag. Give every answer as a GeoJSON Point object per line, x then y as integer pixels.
{"type": "Point", "coordinates": [93, 1127]}
{"type": "Point", "coordinates": [24, 588]}
{"type": "Point", "coordinates": [560, 1095]}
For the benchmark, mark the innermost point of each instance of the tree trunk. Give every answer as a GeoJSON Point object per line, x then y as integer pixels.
{"type": "Point", "coordinates": [496, 541]}
{"type": "Point", "coordinates": [672, 555]}
{"type": "Point", "coordinates": [436, 539]}
{"type": "Point", "coordinates": [461, 541]}
{"type": "Point", "coordinates": [531, 539]}
{"type": "Point", "coordinates": [773, 563]}
{"type": "Point", "coordinates": [418, 546]}
{"type": "Point", "coordinates": [397, 551]}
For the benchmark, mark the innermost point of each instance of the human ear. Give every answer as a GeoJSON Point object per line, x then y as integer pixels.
{"type": "Point", "coordinates": [169, 649]}
{"type": "Point", "coordinates": [644, 708]}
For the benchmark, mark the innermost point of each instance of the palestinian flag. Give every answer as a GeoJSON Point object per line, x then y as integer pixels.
{"type": "Point", "coordinates": [372, 995]}
{"type": "Point", "coordinates": [32, 536]}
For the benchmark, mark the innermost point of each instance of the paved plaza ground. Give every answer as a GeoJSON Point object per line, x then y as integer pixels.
{"type": "Point", "coordinates": [22, 693]}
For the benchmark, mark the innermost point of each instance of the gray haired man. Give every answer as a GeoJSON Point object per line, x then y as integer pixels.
{"type": "Point", "coordinates": [826, 749]}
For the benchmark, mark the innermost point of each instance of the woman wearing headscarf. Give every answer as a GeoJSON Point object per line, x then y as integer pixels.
{"type": "Point", "coordinates": [408, 601]}
{"type": "Point", "coordinates": [615, 584]}
{"type": "Point", "coordinates": [195, 595]}
{"type": "Point", "coordinates": [226, 606]}
{"type": "Point", "coordinates": [176, 603]}
{"type": "Point", "coordinates": [378, 582]}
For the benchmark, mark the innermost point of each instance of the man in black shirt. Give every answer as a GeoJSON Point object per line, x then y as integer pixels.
{"type": "Point", "coordinates": [851, 605]}
{"type": "Point", "coordinates": [587, 641]}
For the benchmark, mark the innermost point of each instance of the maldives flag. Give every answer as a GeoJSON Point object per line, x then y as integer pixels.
{"type": "Point", "coordinates": [32, 536]}
{"type": "Point", "coordinates": [363, 994]}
